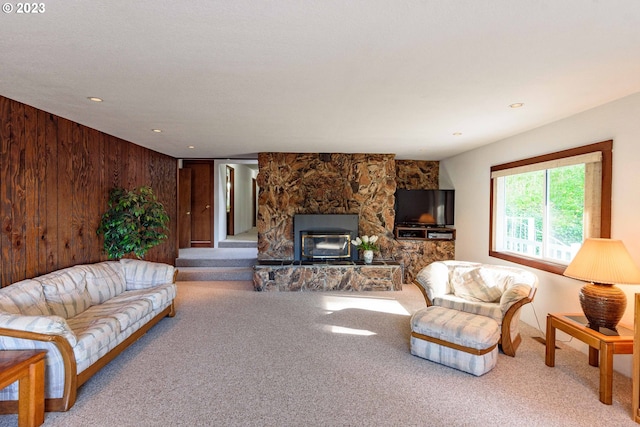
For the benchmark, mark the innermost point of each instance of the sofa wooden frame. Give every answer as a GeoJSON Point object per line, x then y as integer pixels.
{"type": "Point", "coordinates": [73, 380]}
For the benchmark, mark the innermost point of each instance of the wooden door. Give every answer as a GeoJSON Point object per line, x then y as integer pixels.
{"type": "Point", "coordinates": [201, 202]}
{"type": "Point", "coordinates": [184, 208]}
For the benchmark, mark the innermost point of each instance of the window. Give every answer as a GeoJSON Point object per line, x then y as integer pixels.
{"type": "Point", "coordinates": [544, 207]}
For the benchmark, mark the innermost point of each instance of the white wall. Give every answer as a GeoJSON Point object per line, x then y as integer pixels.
{"type": "Point", "coordinates": [468, 173]}
{"type": "Point", "coordinates": [243, 220]}
{"type": "Point", "coordinates": [242, 194]}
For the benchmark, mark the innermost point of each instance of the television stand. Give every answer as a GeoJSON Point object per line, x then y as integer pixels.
{"type": "Point", "coordinates": [425, 232]}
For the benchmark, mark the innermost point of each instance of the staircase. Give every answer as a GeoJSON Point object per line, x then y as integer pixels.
{"type": "Point", "coordinates": [216, 264]}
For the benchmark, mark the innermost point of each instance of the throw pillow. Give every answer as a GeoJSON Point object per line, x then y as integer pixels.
{"type": "Point", "coordinates": [105, 280]}
{"type": "Point", "coordinates": [66, 292]}
{"type": "Point", "coordinates": [471, 286]}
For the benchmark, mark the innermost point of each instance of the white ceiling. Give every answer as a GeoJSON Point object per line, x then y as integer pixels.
{"type": "Point", "coordinates": [238, 77]}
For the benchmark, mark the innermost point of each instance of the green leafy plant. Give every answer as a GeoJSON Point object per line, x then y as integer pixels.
{"type": "Point", "coordinates": [134, 222]}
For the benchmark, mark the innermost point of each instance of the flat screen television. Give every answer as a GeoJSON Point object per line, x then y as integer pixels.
{"type": "Point", "coordinates": [425, 207]}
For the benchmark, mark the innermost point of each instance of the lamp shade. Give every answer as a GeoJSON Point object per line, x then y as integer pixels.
{"type": "Point", "coordinates": [604, 261]}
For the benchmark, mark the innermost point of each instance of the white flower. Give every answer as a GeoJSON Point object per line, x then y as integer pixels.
{"type": "Point", "coordinates": [366, 243]}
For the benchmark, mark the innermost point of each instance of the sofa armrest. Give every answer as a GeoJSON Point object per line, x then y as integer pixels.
{"type": "Point", "coordinates": [510, 303]}
{"type": "Point", "coordinates": [433, 281]}
{"type": "Point", "coordinates": [145, 274]}
{"type": "Point", "coordinates": [41, 325]}
{"type": "Point", "coordinates": [514, 294]}
{"type": "Point", "coordinates": [60, 364]}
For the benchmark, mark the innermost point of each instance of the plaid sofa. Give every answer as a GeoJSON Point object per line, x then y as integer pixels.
{"type": "Point", "coordinates": [83, 316]}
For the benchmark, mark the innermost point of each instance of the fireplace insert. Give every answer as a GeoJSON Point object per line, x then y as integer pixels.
{"type": "Point", "coordinates": [323, 237]}
{"type": "Point", "coordinates": [316, 246]}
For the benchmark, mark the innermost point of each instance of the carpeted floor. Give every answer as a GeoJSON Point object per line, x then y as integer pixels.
{"type": "Point", "coordinates": [249, 235]}
{"type": "Point", "coordinates": [235, 357]}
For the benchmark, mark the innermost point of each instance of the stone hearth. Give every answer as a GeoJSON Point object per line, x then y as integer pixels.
{"type": "Point", "coordinates": [334, 276]}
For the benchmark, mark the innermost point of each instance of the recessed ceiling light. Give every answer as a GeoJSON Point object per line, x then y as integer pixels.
{"type": "Point", "coordinates": [516, 105]}
{"type": "Point", "coordinates": [457, 133]}
{"type": "Point", "coordinates": [156, 130]}
{"type": "Point", "coordinates": [94, 99]}
{"type": "Point", "coordinates": [191, 146]}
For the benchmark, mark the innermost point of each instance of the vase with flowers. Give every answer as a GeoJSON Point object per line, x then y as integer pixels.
{"type": "Point", "coordinates": [367, 244]}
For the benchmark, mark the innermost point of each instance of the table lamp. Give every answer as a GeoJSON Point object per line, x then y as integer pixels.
{"type": "Point", "coordinates": [603, 262]}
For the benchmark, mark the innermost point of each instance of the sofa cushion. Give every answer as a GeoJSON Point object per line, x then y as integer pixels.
{"type": "Point", "coordinates": [456, 327]}
{"type": "Point", "coordinates": [25, 297]}
{"type": "Point", "coordinates": [125, 313]}
{"type": "Point", "coordinates": [159, 296]}
{"type": "Point", "coordinates": [66, 292]}
{"type": "Point", "coordinates": [469, 284]}
{"type": "Point", "coordinates": [489, 309]}
{"type": "Point", "coordinates": [145, 274]}
{"type": "Point", "coordinates": [105, 280]}
{"type": "Point", "coordinates": [93, 335]}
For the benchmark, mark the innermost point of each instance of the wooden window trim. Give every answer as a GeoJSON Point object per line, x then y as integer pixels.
{"type": "Point", "coordinates": [606, 148]}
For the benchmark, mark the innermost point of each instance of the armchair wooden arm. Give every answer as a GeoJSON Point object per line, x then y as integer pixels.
{"type": "Point", "coordinates": [509, 344]}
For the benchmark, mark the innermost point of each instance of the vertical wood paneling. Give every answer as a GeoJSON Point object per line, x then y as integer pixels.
{"type": "Point", "coordinates": [18, 202]}
{"type": "Point", "coordinates": [167, 193]}
{"type": "Point", "coordinates": [95, 186]}
{"type": "Point", "coordinates": [79, 201]}
{"type": "Point", "coordinates": [65, 194]}
{"type": "Point", "coordinates": [55, 176]}
{"type": "Point", "coordinates": [5, 190]}
{"type": "Point", "coordinates": [51, 186]}
{"type": "Point", "coordinates": [125, 159]}
{"type": "Point", "coordinates": [41, 176]}
{"type": "Point", "coordinates": [114, 166]}
{"type": "Point", "coordinates": [32, 195]}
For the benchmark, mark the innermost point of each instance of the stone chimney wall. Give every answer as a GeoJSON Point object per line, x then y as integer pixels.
{"type": "Point", "coordinates": [336, 183]}
{"type": "Point", "coordinates": [417, 174]}
{"type": "Point", "coordinates": [316, 183]}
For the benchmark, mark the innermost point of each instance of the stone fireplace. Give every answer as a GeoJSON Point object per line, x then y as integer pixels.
{"type": "Point", "coordinates": [362, 185]}
{"type": "Point", "coordinates": [324, 237]}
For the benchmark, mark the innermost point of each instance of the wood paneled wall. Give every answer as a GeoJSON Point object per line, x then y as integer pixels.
{"type": "Point", "coordinates": [55, 177]}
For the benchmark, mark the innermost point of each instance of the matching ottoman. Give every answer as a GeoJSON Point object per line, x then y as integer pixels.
{"type": "Point", "coordinates": [460, 340]}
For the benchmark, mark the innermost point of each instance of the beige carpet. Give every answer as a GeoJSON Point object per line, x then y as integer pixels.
{"type": "Point", "coordinates": [249, 235]}
{"type": "Point", "coordinates": [235, 357]}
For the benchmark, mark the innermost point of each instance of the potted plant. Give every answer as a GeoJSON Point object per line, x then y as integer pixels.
{"type": "Point", "coordinates": [134, 222]}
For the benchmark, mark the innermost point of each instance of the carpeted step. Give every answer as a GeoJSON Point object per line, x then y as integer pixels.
{"type": "Point", "coordinates": [200, 274]}
{"type": "Point", "coordinates": [209, 262]}
{"type": "Point", "coordinates": [237, 244]}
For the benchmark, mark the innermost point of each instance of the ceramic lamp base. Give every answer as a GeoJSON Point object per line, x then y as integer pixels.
{"type": "Point", "coordinates": [603, 305]}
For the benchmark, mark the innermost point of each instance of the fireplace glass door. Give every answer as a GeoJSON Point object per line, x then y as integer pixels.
{"type": "Point", "coordinates": [325, 246]}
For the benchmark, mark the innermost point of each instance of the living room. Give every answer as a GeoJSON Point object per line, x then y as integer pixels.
{"type": "Point", "coordinates": [64, 177]}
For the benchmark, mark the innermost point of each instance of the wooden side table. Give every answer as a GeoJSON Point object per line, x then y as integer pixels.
{"type": "Point", "coordinates": [27, 367]}
{"type": "Point", "coordinates": [603, 344]}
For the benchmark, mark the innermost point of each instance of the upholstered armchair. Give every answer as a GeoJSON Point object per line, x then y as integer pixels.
{"type": "Point", "coordinates": [489, 290]}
